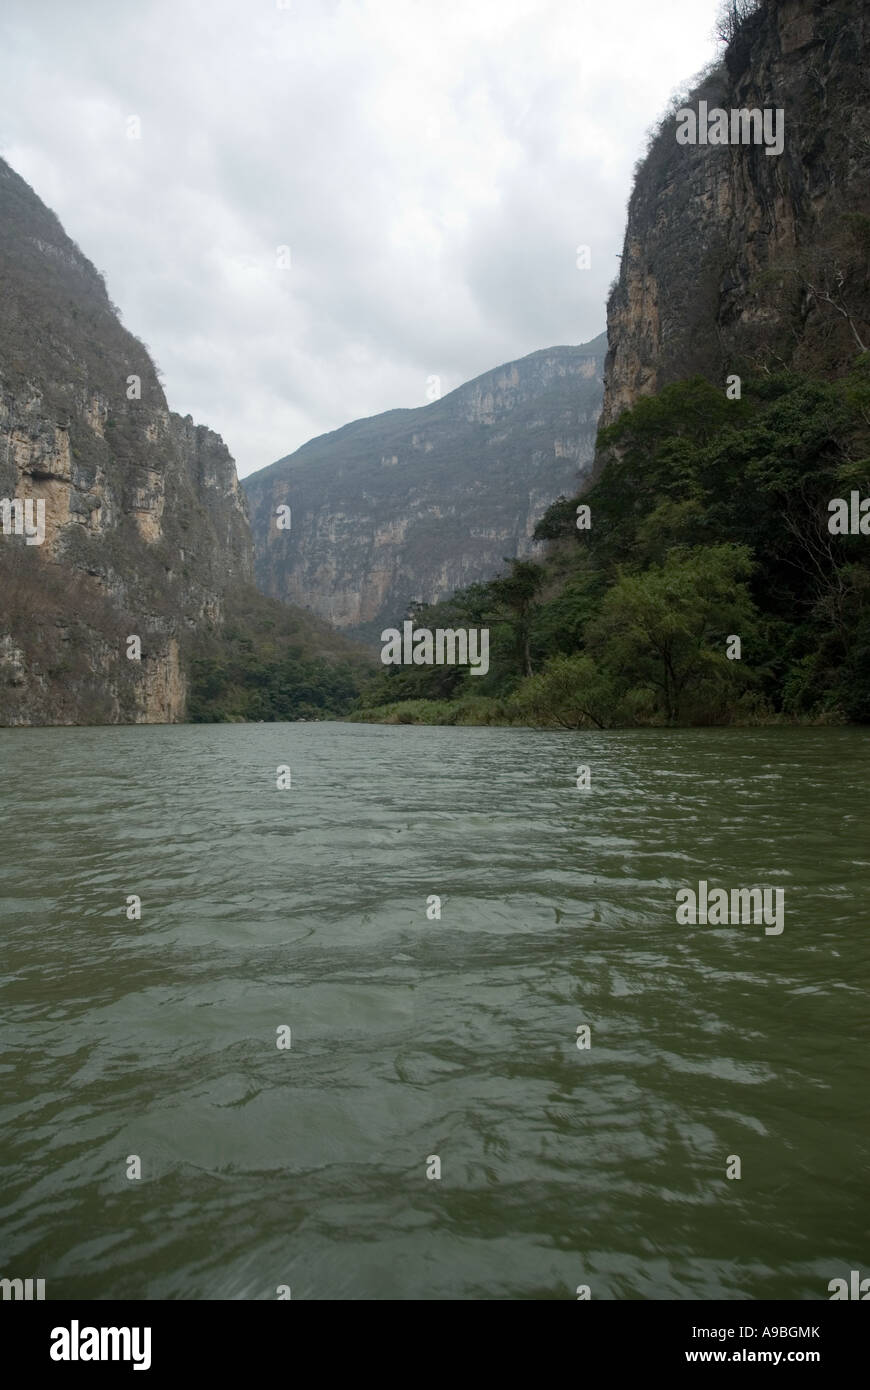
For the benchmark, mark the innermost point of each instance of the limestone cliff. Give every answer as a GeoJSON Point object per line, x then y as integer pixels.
{"type": "Point", "coordinates": [413, 504]}
{"type": "Point", "coordinates": [735, 259]}
{"type": "Point", "coordinates": [145, 526]}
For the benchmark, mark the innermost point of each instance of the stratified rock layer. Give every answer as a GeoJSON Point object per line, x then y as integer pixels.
{"type": "Point", "coordinates": [145, 523]}
{"type": "Point", "coordinates": [413, 504]}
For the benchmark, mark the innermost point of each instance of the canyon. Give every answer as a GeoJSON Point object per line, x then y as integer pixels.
{"type": "Point", "coordinates": [144, 527]}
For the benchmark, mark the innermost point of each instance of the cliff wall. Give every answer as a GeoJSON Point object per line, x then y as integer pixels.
{"type": "Point", "coordinates": [145, 526]}
{"type": "Point", "coordinates": [413, 504]}
{"type": "Point", "coordinates": [735, 259]}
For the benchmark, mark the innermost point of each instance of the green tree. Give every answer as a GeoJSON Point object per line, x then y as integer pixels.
{"type": "Point", "coordinates": [516, 594]}
{"type": "Point", "coordinates": [570, 691]}
{"type": "Point", "coordinates": [668, 626]}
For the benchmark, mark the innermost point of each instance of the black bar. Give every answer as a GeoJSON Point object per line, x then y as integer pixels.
{"type": "Point", "coordinates": [231, 1337]}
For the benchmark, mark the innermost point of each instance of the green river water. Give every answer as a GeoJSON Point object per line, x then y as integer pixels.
{"type": "Point", "coordinates": [415, 1038]}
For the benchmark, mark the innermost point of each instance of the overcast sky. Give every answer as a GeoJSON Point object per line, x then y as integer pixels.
{"type": "Point", "coordinates": [432, 165]}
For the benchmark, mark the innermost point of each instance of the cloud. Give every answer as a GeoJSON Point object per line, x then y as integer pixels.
{"type": "Point", "coordinates": [432, 167]}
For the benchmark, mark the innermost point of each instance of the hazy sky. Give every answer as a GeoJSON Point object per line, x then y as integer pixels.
{"type": "Point", "coordinates": [432, 166]}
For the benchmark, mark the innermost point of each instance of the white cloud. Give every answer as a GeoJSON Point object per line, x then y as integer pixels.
{"type": "Point", "coordinates": [433, 167]}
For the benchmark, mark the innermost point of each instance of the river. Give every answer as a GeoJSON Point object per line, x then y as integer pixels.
{"type": "Point", "coordinates": [412, 1037]}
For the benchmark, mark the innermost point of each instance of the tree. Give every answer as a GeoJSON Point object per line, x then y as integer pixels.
{"type": "Point", "coordinates": [517, 593]}
{"type": "Point", "coordinates": [732, 16]}
{"type": "Point", "coordinates": [668, 626]}
{"type": "Point", "coordinates": [558, 521]}
{"type": "Point", "coordinates": [570, 691]}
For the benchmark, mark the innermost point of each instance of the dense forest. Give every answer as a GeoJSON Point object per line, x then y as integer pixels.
{"type": "Point", "coordinates": [268, 661]}
{"type": "Point", "coordinates": [711, 519]}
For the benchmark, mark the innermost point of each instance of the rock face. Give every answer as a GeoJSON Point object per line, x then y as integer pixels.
{"type": "Point", "coordinates": [735, 259]}
{"type": "Point", "coordinates": [145, 526]}
{"type": "Point", "coordinates": [413, 504]}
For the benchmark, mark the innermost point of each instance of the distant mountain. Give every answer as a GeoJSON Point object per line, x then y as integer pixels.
{"type": "Point", "coordinates": [413, 504]}
{"type": "Point", "coordinates": [145, 529]}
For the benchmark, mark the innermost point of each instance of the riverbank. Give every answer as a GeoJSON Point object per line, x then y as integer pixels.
{"type": "Point", "coordinates": [485, 713]}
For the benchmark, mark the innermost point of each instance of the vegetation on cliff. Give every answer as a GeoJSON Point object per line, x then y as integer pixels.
{"type": "Point", "coordinates": [710, 520]}
{"type": "Point", "coordinates": [267, 661]}
{"type": "Point", "coordinates": [734, 261]}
